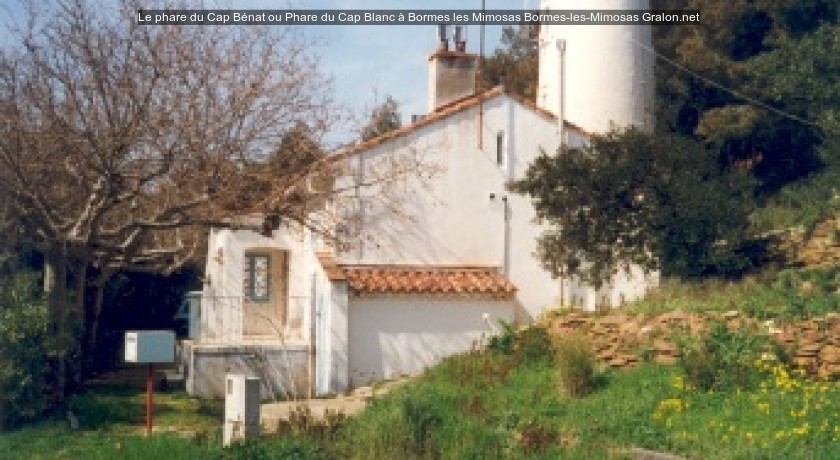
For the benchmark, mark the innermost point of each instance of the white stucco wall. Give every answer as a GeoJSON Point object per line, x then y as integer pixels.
{"type": "Point", "coordinates": [605, 71]}
{"type": "Point", "coordinates": [225, 268]}
{"type": "Point", "coordinates": [282, 370]}
{"type": "Point", "coordinates": [460, 219]}
{"type": "Point", "coordinates": [402, 334]}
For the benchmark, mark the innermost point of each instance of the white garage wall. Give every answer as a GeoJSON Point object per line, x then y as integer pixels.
{"type": "Point", "coordinates": [403, 334]}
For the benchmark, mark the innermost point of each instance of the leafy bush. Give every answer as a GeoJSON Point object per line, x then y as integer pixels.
{"type": "Point", "coordinates": [533, 346]}
{"type": "Point", "coordinates": [503, 343]}
{"type": "Point", "coordinates": [576, 364]}
{"type": "Point", "coordinates": [528, 346]}
{"type": "Point", "coordinates": [725, 359]}
{"type": "Point", "coordinates": [422, 418]}
{"type": "Point", "coordinates": [23, 351]}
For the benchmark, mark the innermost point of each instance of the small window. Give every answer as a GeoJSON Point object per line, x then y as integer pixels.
{"type": "Point", "coordinates": [257, 277]}
{"type": "Point", "coordinates": [500, 148]}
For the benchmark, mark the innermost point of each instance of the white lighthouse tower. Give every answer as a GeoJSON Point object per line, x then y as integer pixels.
{"type": "Point", "coordinates": [596, 75]}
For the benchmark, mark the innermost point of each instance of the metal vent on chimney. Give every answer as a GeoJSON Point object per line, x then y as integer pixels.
{"type": "Point", "coordinates": [443, 37]}
{"type": "Point", "coordinates": [459, 37]}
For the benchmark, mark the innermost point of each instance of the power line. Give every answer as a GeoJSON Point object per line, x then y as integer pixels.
{"type": "Point", "coordinates": [720, 86]}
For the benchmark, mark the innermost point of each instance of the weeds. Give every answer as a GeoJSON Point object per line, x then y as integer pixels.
{"type": "Point", "coordinates": [792, 293]}
{"type": "Point", "coordinates": [576, 364]}
{"type": "Point", "coordinates": [301, 422]}
{"type": "Point", "coordinates": [723, 359]}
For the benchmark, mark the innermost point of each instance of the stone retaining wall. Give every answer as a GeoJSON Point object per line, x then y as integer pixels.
{"type": "Point", "coordinates": [622, 340]}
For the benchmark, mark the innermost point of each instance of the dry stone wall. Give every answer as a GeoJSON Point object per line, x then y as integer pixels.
{"type": "Point", "coordinates": [623, 340]}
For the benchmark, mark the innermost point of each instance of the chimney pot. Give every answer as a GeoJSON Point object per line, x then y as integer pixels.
{"type": "Point", "coordinates": [460, 39]}
{"type": "Point", "coordinates": [443, 37]}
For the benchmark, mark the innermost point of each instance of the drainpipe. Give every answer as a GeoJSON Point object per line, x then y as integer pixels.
{"type": "Point", "coordinates": [312, 319]}
{"type": "Point", "coordinates": [561, 47]}
{"type": "Point", "coordinates": [506, 247]}
{"type": "Point", "coordinates": [361, 217]}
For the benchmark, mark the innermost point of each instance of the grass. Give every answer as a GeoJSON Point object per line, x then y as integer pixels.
{"type": "Point", "coordinates": [792, 293]}
{"type": "Point", "coordinates": [485, 405]}
{"type": "Point", "coordinates": [112, 426]}
{"type": "Point", "coordinates": [525, 416]}
{"type": "Point", "coordinates": [120, 408]}
{"type": "Point", "coordinates": [508, 403]}
{"type": "Point", "coordinates": [803, 203]}
{"type": "Point", "coordinates": [53, 440]}
{"type": "Point", "coordinates": [786, 417]}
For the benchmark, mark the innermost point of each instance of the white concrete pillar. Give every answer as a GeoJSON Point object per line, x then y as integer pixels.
{"type": "Point", "coordinates": [242, 408]}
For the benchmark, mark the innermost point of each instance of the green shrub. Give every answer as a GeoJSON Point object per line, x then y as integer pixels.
{"type": "Point", "coordinates": [533, 346]}
{"type": "Point", "coordinates": [23, 351]}
{"type": "Point", "coordinates": [576, 364]}
{"type": "Point", "coordinates": [423, 419]}
{"type": "Point", "coordinates": [725, 359]}
{"type": "Point", "coordinates": [503, 343]}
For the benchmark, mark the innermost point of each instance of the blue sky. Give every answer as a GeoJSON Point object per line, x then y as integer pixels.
{"type": "Point", "coordinates": [368, 63]}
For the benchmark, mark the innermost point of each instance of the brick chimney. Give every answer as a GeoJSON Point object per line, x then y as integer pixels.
{"type": "Point", "coordinates": [452, 73]}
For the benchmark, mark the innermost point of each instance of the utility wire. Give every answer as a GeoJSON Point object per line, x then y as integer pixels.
{"type": "Point", "coordinates": [731, 91]}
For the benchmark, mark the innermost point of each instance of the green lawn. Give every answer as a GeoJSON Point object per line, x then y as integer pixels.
{"type": "Point", "coordinates": [785, 294]}
{"type": "Point", "coordinates": [492, 405]}
{"type": "Point", "coordinates": [524, 416]}
{"type": "Point", "coordinates": [482, 406]}
{"type": "Point", "coordinates": [112, 420]}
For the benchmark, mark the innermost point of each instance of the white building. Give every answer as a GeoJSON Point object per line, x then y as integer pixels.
{"type": "Point", "coordinates": [304, 318]}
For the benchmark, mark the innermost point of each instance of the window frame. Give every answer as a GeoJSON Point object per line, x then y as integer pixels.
{"type": "Point", "coordinates": [501, 149]}
{"type": "Point", "coordinates": [251, 277]}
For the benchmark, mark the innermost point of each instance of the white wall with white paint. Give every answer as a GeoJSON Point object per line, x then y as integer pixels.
{"type": "Point", "coordinates": [460, 218]}
{"type": "Point", "coordinates": [403, 334]}
{"type": "Point", "coordinates": [596, 75]}
{"type": "Point", "coordinates": [225, 270]}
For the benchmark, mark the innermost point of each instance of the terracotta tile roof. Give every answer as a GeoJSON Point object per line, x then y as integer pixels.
{"type": "Point", "coordinates": [428, 279]}
{"type": "Point", "coordinates": [527, 103]}
{"type": "Point", "coordinates": [546, 114]}
{"type": "Point", "coordinates": [331, 268]}
{"type": "Point", "coordinates": [440, 113]}
{"type": "Point", "coordinates": [452, 108]}
{"type": "Point", "coordinates": [570, 125]}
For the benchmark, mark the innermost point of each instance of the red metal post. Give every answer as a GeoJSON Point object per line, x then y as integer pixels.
{"type": "Point", "coordinates": [150, 386]}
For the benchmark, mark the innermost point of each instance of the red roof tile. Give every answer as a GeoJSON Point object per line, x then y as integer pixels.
{"type": "Point", "coordinates": [331, 268]}
{"type": "Point", "coordinates": [428, 279]}
{"type": "Point", "coordinates": [453, 107]}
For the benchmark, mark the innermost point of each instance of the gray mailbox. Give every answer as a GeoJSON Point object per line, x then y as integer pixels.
{"type": "Point", "coordinates": [148, 347]}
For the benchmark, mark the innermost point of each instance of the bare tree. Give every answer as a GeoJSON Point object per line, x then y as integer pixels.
{"type": "Point", "coordinates": [120, 143]}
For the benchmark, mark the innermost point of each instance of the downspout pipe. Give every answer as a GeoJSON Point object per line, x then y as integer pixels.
{"type": "Point", "coordinates": [561, 48]}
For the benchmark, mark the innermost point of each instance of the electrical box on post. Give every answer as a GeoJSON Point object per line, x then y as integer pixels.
{"type": "Point", "coordinates": [149, 347]}
{"type": "Point", "coordinates": [242, 408]}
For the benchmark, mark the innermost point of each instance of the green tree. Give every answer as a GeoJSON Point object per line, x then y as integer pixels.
{"type": "Point", "coordinates": [24, 350]}
{"type": "Point", "coordinates": [384, 118]}
{"type": "Point", "coordinates": [706, 85]}
{"type": "Point", "coordinates": [514, 65]}
{"type": "Point", "coordinates": [659, 201]}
